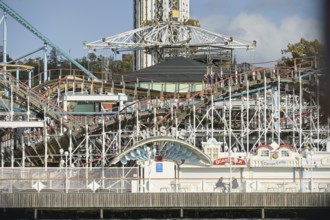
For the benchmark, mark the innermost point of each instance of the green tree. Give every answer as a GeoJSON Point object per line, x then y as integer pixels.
{"type": "Point", "coordinates": [53, 60]}
{"type": "Point", "coordinates": [83, 61]}
{"type": "Point", "coordinates": [29, 62]}
{"type": "Point", "coordinates": [126, 64]}
{"type": "Point", "coordinates": [8, 58]}
{"type": "Point", "coordinates": [303, 49]}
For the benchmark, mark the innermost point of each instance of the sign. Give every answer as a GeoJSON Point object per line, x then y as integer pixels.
{"type": "Point", "coordinates": [275, 163]}
{"type": "Point", "coordinates": [271, 163]}
{"type": "Point", "coordinates": [159, 167]}
{"type": "Point", "coordinates": [163, 132]}
{"type": "Point", "coordinates": [226, 160]}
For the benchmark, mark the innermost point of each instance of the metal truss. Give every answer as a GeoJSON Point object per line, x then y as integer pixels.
{"type": "Point", "coordinates": [169, 35]}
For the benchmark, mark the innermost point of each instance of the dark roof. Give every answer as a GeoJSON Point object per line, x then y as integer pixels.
{"type": "Point", "coordinates": [175, 69]}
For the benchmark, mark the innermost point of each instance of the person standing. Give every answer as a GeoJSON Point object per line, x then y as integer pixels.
{"type": "Point", "coordinates": [221, 185]}
{"type": "Point", "coordinates": [234, 184]}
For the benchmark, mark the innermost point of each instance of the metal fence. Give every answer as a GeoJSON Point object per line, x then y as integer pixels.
{"type": "Point", "coordinates": [128, 180]}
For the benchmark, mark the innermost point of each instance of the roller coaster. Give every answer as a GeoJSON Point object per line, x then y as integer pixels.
{"type": "Point", "coordinates": [241, 110]}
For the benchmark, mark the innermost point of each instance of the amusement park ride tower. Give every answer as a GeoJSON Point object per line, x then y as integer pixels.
{"type": "Point", "coordinates": [163, 28]}
{"type": "Point", "coordinates": [158, 11]}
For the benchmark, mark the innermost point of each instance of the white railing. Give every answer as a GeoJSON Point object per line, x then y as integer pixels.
{"type": "Point", "coordinates": [67, 179]}
{"type": "Point", "coordinates": [244, 185]}
{"type": "Point", "coordinates": [119, 180]}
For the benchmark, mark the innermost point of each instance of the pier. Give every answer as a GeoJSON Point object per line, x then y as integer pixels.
{"type": "Point", "coordinates": [180, 205]}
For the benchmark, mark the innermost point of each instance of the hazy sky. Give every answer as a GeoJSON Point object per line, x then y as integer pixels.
{"type": "Point", "coordinates": [67, 23]}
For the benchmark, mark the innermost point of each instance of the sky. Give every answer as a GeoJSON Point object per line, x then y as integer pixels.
{"type": "Point", "coordinates": [68, 23]}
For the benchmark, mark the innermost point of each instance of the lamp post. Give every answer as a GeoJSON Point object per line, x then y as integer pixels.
{"type": "Point", "coordinates": [2, 157]}
{"type": "Point", "coordinates": [151, 155]}
{"type": "Point", "coordinates": [230, 164]}
{"type": "Point", "coordinates": [312, 163]}
{"type": "Point", "coordinates": [62, 164]}
{"type": "Point", "coordinates": [66, 171]}
{"type": "Point", "coordinates": [70, 156]}
{"type": "Point", "coordinates": [149, 163]}
{"type": "Point", "coordinates": [230, 173]}
{"type": "Point", "coordinates": [61, 161]}
{"type": "Point", "coordinates": [309, 158]}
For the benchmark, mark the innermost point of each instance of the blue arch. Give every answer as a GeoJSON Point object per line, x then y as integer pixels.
{"type": "Point", "coordinates": [178, 150]}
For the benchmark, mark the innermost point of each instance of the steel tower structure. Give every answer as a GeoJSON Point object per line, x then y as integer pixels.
{"type": "Point", "coordinates": [160, 10]}
{"type": "Point", "coordinates": [157, 11]}
{"type": "Point", "coordinates": [163, 28]}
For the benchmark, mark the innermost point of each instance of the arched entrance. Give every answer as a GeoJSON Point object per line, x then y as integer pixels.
{"type": "Point", "coordinates": [159, 160]}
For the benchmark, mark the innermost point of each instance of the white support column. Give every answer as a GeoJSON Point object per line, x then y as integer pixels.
{"type": "Point", "coordinates": [119, 133]}
{"type": "Point", "coordinates": [155, 117]}
{"type": "Point", "coordinates": [176, 125]}
{"type": "Point", "coordinates": [11, 145]}
{"type": "Point", "coordinates": [242, 123]}
{"type": "Point", "coordinates": [45, 140]}
{"type": "Point", "coordinates": [212, 116]}
{"type": "Point", "coordinates": [293, 103]}
{"type": "Point", "coordinates": [229, 118]}
{"type": "Point", "coordinates": [230, 169]}
{"type": "Point", "coordinates": [103, 153]}
{"type": "Point", "coordinates": [221, 78]}
{"type": "Point", "coordinates": [103, 143]}
{"type": "Point", "coordinates": [300, 112]}
{"type": "Point", "coordinates": [137, 121]}
{"type": "Point", "coordinates": [87, 152]}
{"type": "Point", "coordinates": [11, 103]}
{"type": "Point", "coordinates": [66, 172]}
{"type": "Point", "coordinates": [4, 39]}
{"type": "Point", "coordinates": [172, 112]}
{"type": "Point", "coordinates": [259, 117]}
{"type": "Point", "coordinates": [61, 125]}
{"type": "Point", "coordinates": [23, 151]}
{"type": "Point", "coordinates": [65, 106]}
{"type": "Point", "coordinates": [318, 110]}
{"type": "Point", "coordinates": [30, 79]}
{"type": "Point", "coordinates": [70, 148]}
{"type": "Point", "coordinates": [121, 105]}
{"type": "Point", "coordinates": [58, 92]}
{"type": "Point", "coordinates": [265, 109]}
{"type": "Point", "coordinates": [247, 117]}
{"type": "Point", "coordinates": [279, 107]}
{"type": "Point", "coordinates": [17, 76]}
{"type": "Point", "coordinates": [194, 123]}
{"type": "Point", "coordinates": [45, 63]}
{"type": "Point", "coordinates": [224, 126]}
{"type": "Point", "coordinates": [2, 156]}
{"type": "Point", "coordinates": [312, 166]}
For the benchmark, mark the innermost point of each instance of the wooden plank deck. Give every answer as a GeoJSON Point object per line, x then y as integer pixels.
{"type": "Point", "coordinates": [163, 200]}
